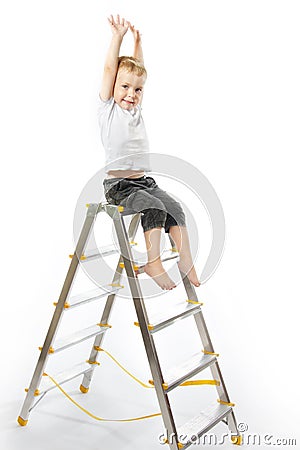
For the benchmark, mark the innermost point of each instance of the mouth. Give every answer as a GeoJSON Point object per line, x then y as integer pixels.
{"type": "Point", "coordinates": [128, 102]}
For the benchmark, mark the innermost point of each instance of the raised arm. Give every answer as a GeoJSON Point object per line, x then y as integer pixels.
{"type": "Point", "coordinates": [119, 28]}
{"type": "Point", "coordinates": [137, 49]}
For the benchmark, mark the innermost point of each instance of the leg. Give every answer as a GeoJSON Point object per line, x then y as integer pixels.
{"type": "Point", "coordinates": [176, 227]}
{"type": "Point", "coordinates": [180, 236]}
{"type": "Point", "coordinates": [154, 267]}
{"type": "Point", "coordinates": [153, 220]}
{"type": "Point", "coordinates": [138, 195]}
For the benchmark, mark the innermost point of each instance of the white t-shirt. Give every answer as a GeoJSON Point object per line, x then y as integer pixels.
{"type": "Point", "coordinates": [123, 136]}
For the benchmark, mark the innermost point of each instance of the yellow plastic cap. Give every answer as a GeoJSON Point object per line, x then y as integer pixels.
{"type": "Point", "coordinates": [22, 422]}
{"type": "Point", "coordinates": [237, 440]}
{"type": "Point", "coordinates": [83, 389]}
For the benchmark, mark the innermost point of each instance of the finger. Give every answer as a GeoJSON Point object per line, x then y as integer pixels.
{"type": "Point", "coordinates": [113, 21]}
{"type": "Point", "coordinates": [118, 19]}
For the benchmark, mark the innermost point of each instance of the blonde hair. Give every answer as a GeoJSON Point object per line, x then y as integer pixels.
{"type": "Point", "coordinates": [131, 64]}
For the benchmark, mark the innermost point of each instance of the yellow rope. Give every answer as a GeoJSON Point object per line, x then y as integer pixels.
{"type": "Point", "coordinates": [187, 383]}
{"type": "Point", "coordinates": [93, 415]}
{"type": "Point", "coordinates": [123, 368]}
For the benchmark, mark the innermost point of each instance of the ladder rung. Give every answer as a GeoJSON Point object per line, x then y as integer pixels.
{"type": "Point", "coordinates": [77, 337]}
{"type": "Point", "coordinates": [201, 424]}
{"type": "Point", "coordinates": [188, 369]}
{"type": "Point", "coordinates": [101, 252]}
{"type": "Point", "coordinates": [178, 312]}
{"type": "Point", "coordinates": [167, 255]}
{"type": "Point", "coordinates": [62, 377]}
{"type": "Point", "coordinates": [92, 295]}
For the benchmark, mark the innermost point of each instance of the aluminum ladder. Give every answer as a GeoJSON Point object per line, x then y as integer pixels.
{"type": "Point", "coordinates": [222, 410]}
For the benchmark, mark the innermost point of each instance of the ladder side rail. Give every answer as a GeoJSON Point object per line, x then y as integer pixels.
{"type": "Point", "coordinates": [146, 335]}
{"type": "Point", "coordinates": [199, 319]}
{"type": "Point", "coordinates": [87, 378]}
{"type": "Point", "coordinates": [215, 369]}
{"type": "Point", "coordinates": [39, 369]}
{"type": "Point", "coordinates": [205, 338]}
{"type": "Point", "coordinates": [133, 226]}
{"type": "Point", "coordinates": [132, 230]}
{"type": "Point", "coordinates": [208, 346]}
{"type": "Point", "coordinates": [224, 396]}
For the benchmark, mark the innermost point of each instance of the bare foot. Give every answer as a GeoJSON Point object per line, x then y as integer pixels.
{"type": "Point", "coordinates": [190, 272]}
{"type": "Point", "coordinates": [156, 271]}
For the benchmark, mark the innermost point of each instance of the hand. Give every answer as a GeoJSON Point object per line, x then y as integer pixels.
{"type": "Point", "coordinates": [118, 26]}
{"type": "Point", "coordinates": [135, 32]}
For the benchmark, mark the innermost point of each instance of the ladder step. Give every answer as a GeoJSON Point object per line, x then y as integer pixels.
{"type": "Point", "coordinates": [92, 295]}
{"type": "Point", "coordinates": [201, 424]}
{"type": "Point", "coordinates": [167, 255]}
{"type": "Point", "coordinates": [178, 312]}
{"type": "Point", "coordinates": [78, 336]}
{"type": "Point", "coordinates": [101, 252]}
{"type": "Point", "coordinates": [186, 370]}
{"type": "Point", "coordinates": [62, 377]}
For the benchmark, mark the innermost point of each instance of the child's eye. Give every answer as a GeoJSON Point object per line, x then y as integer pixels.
{"type": "Point", "coordinates": [138, 90]}
{"type": "Point", "coordinates": [124, 86]}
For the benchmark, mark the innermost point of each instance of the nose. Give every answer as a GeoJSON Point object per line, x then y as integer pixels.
{"type": "Point", "coordinates": [131, 92]}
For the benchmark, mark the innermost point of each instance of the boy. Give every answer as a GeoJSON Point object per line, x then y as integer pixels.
{"type": "Point", "coordinates": [125, 142]}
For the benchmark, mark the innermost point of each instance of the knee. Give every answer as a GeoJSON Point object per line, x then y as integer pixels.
{"type": "Point", "coordinates": [176, 211]}
{"type": "Point", "coordinates": [175, 216]}
{"type": "Point", "coordinates": [153, 218]}
{"type": "Point", "coordinates": [141, 201]}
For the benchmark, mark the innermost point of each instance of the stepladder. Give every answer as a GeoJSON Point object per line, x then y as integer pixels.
{"type": "Point", "coordinates": [175, 436]}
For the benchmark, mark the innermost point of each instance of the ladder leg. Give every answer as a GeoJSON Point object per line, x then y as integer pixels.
{"type": "Point", "coordinates": [147, 337]}
{"type": "Point", "coordinates": [39, 369]}
{"type": "Point", "coordinates": [132, 230]}
{"type": "Point", "coordinates": [208, 346]}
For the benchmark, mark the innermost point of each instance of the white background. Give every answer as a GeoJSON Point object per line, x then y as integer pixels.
{"type": "Point", "coordinates": [223, 94]}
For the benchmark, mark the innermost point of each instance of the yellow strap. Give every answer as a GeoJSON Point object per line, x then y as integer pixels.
{"type": "Point", "coordinates": [116, 285]}
{"type": "Point", "coordinates": [36, 392]}
{"type": "Point", "coordinates": [135, 266]}
{"type": "Point", "coordinates": [151, 382]}
{"type": "Point", "coordinates": [225, 403]}
{"type": "Point", "coordinates": [194, 302]}
{"type": "Point", "coordinates": [66, 305]}
{"type": "Point", "coordinates": [179, 445]}
{"type": "Point", "coordinates": [93, 362]}
{"type": "Point", "coordinates": [150, 327]}
{"type": "Point", "coordinates": [99, 349]}
{"type": "Point", "coordinates": [210, 353]}
{"type": "Point", "coordinates": [105, 325]}
{"type": "Point", "coordinates": [82, 257]}
{"type": "Point", "coordinates": [93, 415]}
{"type": "Point", "coordinates": [51, 349]}
{"type": "Point", "coordinates": [200, 382]}
{"type": "Point", "coordinates": [192, 383]}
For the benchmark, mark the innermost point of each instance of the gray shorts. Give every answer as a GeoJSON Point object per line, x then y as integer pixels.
{"type": "Point", "coordinates": [143, 195]}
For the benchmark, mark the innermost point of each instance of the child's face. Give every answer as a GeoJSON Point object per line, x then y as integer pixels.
{"type": "Point", "coordinates": [128, 90]}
